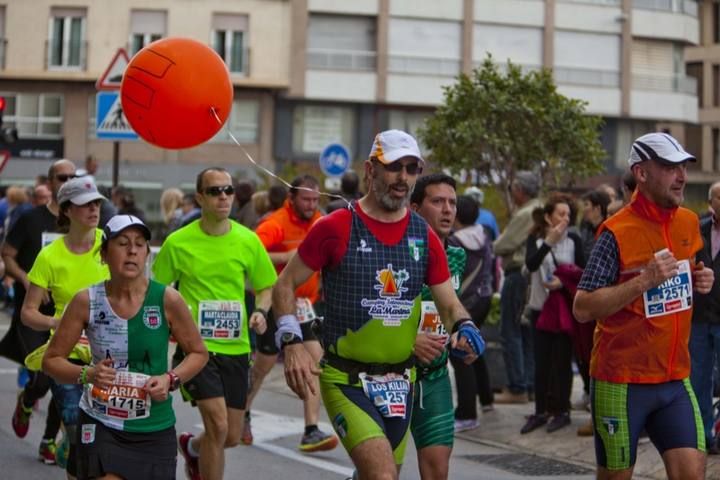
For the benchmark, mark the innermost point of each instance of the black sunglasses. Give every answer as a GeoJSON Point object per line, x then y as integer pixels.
{"type": "Point", "coordinates": [216, 191]}
{"type": "Point", "coordinates": [64, 177]}
{"type": "Point", "coordinates": [410, 168]}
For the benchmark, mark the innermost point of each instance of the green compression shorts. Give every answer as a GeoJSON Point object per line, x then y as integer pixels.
{"type": "Point", "coordinates": [433, 419]}
{"type": "Point", "coordinates": [355, 419]}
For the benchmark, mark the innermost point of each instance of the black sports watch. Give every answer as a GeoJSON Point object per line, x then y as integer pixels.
{"type": "Point", "coordinates": [174, 381]}
{"type": "Point", "coordinates": [289, 338]}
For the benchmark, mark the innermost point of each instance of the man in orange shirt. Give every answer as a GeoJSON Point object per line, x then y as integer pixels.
{"type": "Point", "coordinates": [281, 233]}
{"type": "Point", "coordinates": [638, 285]}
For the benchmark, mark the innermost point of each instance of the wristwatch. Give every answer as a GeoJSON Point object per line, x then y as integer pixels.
{"type": "Point", "coordinates": [289, 338]}
{"type": "Point", "coordinates": [174, 381]}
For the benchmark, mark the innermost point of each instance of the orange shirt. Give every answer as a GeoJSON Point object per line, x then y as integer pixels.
{"type": "Point", "coordinates": [628, 347]}
{"type": "Point", "coordinates": [283, 231]}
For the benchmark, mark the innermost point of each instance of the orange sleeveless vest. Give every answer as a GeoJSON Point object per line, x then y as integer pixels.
{"type": "Point", "coordinates": [627, 346]}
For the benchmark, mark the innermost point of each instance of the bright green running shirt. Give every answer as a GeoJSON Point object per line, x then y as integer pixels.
{"type": "Point", "coordinates": [456, 261]}
{"type": "Point", "coordinates": [211, 272]}
{"type": "Point", "coordinates": [65, 273]}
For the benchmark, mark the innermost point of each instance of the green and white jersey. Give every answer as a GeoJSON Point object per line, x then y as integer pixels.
{"type": "Point", "coordinates": [138, 348]}
{"type": "Point", "coordinates": [429, 320]}
{"type": "Point", "coordinates": [211, 271]}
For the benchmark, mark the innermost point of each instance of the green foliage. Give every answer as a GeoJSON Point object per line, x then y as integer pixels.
{"type": "Point", "coordinates": [500, 120]}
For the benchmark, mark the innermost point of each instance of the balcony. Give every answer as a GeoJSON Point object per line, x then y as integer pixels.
{"type": "Point", "coordinates": [332, 59]}
{"type": "Point", "coordinates": [586, 77]}
{"type": "Point", "coordinates": [423, 65]}
{"type": "Point", "coordinates": [688, 7]}
{"type": "Point", "coordinates": [675, 83]}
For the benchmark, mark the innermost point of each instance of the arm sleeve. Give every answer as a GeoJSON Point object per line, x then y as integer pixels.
{"type": "Point", "coordinates": [263, 274]}
{"type": "Point", "coordinates": [163, 267]}
{"type": "Point", "coordinates": [270, 233]}
{"type": "Point", "coordinates": [534, 255]}
{"type": "Point", "coordinates": [438, 270]}
{"type": "Point", "coordinates": [41, 274]}
{"type": "Point", "coordinates": [603, 267]}
{"type": "Point", "coordinates": [326, 242]}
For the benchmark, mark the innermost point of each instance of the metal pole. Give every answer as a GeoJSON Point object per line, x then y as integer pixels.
{"type": "Point", "coordinates": [116, 163]}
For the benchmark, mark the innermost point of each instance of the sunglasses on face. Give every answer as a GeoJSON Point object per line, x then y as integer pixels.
{"type": "Point", "coordinates": [64, 177]}
{"type": "Point", "coordinates": [410, 168]}
{"type": "Point", "coordinates": [218, 190]}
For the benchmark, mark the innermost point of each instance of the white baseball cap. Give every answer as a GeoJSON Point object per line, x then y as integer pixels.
{"type": "Point", "coordinates": [118, 223]}
{"type": "Point", "coordinates": [79, 191]}
{"type": "Point", "coordinates": [392, 145]}
{"type": "Point", "coordinates": [660, 147]}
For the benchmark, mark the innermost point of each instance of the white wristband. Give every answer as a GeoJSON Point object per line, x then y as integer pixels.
{"type": "Point", "coordinates": [286, 323]}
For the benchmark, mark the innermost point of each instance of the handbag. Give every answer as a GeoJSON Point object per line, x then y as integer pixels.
{"type": "Point", "coordinates": [556, 315]}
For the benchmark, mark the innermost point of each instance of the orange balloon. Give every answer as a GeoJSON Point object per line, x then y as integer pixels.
{"type": "Point", "coordinates": [169, 89]}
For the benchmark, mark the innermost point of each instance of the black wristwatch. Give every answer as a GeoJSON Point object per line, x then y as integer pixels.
{"type": "Point", "coordinates": [174, 381]}
{"type": "Point", "coordinates": [289, 338]}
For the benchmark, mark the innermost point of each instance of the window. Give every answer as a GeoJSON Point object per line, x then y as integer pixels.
{"type": "Point", "coordinates": [574, 66]}
{"type": "Point", "coordinates": [230, 42]}
{"type": "Point", "coordinates": [716, 22]}
{"type": "Point", "coordinates": [424, 47]}
{"type": "Point", "coordinates": [716, 86]}
{"type": "Point", "coordinates": [520, 45]}
{"type": "Point", "coordinates": [341, 42]}
{"type": "Point", "coordinates": [67, 46]}
{"type": "Point", "coordinates": [35, 115]}
{"type": "Point", "coordinates": [146, 26]}
{"type": "Point", "coordinates": [695, 70]}
{"type": "Point", "coordinates": [243, 122]}
{"type": "Point", "coordinates": [3, 40]}
{"type": "Point", "coordinates": [315, 126]}
{"type": "Point", "coordinates": [409, 121]}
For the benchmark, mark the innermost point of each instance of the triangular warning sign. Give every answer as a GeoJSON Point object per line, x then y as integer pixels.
{"type": "Point", "coordinates": [111, 79]}
{"type": "Point", "coordinates": [115, 120]}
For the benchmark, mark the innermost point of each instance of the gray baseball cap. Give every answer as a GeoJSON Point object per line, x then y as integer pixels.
{"type": "Point", "coordinates": [78, 191]}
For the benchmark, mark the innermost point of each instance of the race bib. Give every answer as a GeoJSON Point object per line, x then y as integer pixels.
{"type": "Point", "coordinates": [389, 392]}
{"type": "Point", "coordinates": [126, 399]}
{"type": "Point", "coordinates": [49, 237]}
{"type": "Point", "coordinates": [673, 295]}
{"type": "Point", "coordinates": [305, 310]}
{"type": "Point", "coordinates": [220, 319]}
{"type": "Point", "coordinates": [430, 319]}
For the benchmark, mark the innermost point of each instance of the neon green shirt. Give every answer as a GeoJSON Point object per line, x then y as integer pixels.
{"type": "Point", "coordinates": [212, 271]}
{"type": "Point", "coordinates": [65, 273]}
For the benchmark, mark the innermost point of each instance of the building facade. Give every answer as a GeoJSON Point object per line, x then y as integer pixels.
{"type": "Point", "coordinates": [311, 72]}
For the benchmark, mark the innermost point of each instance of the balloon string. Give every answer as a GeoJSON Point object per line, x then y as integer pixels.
{"type": "Point", "coordinates": [268, 172]}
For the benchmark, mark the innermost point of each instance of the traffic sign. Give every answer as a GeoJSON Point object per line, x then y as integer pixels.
{"type": "Point", "coordinates": [334, 160]}
{"type": "Point", "coordinates": [110, 121]}
{"type": "Point", "coordinates": [112, 78]}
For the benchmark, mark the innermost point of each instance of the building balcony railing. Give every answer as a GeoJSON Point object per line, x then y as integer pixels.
{"type": "Point", "coordinates": [586, 77]}
{"type": "Point", "coordinates": [678, 83]}
{"type": "Point", "coordinates": [334, 59]}
{"type": "Point", "coordinates": [423, 65]}
{"type": "Point", "coordinates": [67, 57]}
{"type": "Point", "coordinates": [688, 7]}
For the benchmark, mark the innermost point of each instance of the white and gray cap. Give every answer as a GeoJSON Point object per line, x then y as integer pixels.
{"type": "Point", "coordinates": [660, 147]}
{"type": "Point", "coordinates": [118, 223]}
{"type": "Point", "coordinates": [78, 191]}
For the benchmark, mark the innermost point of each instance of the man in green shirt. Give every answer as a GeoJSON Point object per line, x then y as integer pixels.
{"type": "Point", "coordinates": [433, 421]}
{"type": "Point", "coordinates": [211, 258]}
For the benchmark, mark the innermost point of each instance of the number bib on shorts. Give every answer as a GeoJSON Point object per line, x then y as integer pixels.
{"type": "Point", "coordinates": [220, 319]}
{"type": "Point", "coordinates": [305, 310]}
{"type": "Point", "coordinates": [126, 399]}
{"type": "Point", "coordinates": [673, 295]}
{"type": "Point", "coordinates": [388, 392]}
{"type": "Point", "coordinates": [430, 319]}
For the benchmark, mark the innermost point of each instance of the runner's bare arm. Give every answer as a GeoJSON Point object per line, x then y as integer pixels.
{"type": "Point", "coordinates": [186, 334]}
{"type": "Point", "coordinates": [299, 364]}
{"type": "Point", "coordinates": [72, 323]}
{"type": "Point", "coordinates": [9, 255]}
{"type": "Point", "coordinates": [30, 313]}
{"type": "Point", "coordinates": [263, 300]}
{"type": "Point", "coordinates": [603, 302]}
{"type": "Point", "coordinates": [281, 258]}
{"type": "Point", "coordinates": [293, 275]}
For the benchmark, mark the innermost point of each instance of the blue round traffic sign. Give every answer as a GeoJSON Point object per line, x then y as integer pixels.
{"type": "Point", "coordinates": [334, 160]}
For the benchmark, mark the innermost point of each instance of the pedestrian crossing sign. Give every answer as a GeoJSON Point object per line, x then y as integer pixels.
{"type": "Point", "coordinates": [110, 121]}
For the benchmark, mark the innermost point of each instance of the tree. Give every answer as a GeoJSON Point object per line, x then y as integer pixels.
{"type": "Point", "coordinates": [498, 121]}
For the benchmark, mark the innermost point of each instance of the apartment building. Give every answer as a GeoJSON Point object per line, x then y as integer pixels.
{"type": "Point", "coordinates": [311, 72]}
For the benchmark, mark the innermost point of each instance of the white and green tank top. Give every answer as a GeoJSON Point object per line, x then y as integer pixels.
{"type": "Point", "coordinates": [139, 349]}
